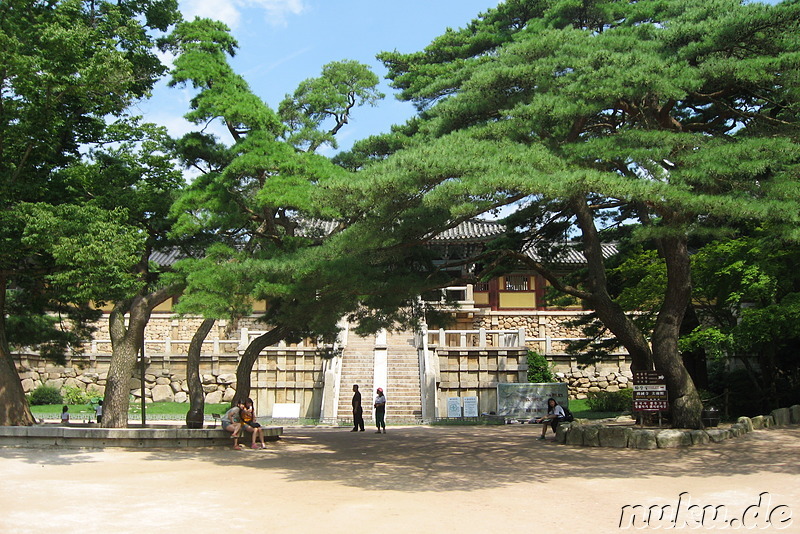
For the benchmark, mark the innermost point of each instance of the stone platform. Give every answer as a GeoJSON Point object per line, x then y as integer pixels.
{"type": "Point", "coordinates": [152, 436]}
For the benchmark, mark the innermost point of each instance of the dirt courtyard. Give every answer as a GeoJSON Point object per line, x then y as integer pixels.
{"type": "Point", "coordinates": [410, 480]}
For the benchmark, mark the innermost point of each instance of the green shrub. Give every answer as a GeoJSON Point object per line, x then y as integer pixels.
{"type": "Point", "coordinates": [45, 395]}
{"type": "Point", "coordinates": [74, 396]}
{"type": "Point", "coordinates": [610, 401]}
{"type": "Point", "coordinates": [539, 368]}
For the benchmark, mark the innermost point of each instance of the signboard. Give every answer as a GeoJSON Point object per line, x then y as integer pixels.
{"type": "Point", "coordinates": [286, 411]}
{"type": "Point", "coordinates": [470, 406]}
{"type": "Point", "coordinates": [453, 407]}
{"type": "Point", "coordinates": [529, 400]}
{"type": "Point", "coordinates": [649, 391]}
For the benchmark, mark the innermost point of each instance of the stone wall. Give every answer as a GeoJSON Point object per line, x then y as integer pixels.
{"type": "Point", "coordinates": [164, 379]}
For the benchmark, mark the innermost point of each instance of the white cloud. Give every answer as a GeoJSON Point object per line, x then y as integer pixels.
{"type": "Point", "coordinates": [230, 11]}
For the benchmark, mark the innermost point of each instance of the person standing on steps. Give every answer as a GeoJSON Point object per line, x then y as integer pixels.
{"type": "Point", "coordinates": [358, 411]}
{"type": "Point", "coordinates": [380, 410]}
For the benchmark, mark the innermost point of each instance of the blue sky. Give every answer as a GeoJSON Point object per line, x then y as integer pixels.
{"type": "Point", "coordinates": [282, 42]}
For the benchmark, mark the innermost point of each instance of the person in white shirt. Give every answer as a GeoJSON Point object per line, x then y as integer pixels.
{"type": "Point", "coordinates": [65, 415]}
{"type": "Point", "coordinates": [555, 414]}
{"type": "Point", "coordinates": [380, 410]}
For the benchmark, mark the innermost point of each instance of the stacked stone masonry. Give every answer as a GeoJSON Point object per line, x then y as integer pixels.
{"type": "Point", "coordinates": [584, 433]}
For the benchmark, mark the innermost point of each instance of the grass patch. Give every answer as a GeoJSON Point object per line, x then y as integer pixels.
{"type": "Point", "coordinates": [580, 409]}
{"type": "Point", "coordinates": [165, 410]}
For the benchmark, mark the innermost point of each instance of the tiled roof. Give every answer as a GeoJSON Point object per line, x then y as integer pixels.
{"type": "Point", "coordinates": [166, 257]}
{"type": "Point", "coordinates": [571, 255]}
{"type": "Point", "coordinates": [472, 230]}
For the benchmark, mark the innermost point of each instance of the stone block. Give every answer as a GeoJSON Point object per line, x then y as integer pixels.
{"type": "Point", "coordinates": [575, 435]}
{"type": "Point", "coordinates": [228, 394]}
{"type": "Point", "coordinates": [746, 422]}
{"type": "Point", "coordinates": [227, 378]}
{"type": "Point", "coordinates": [591, 435]}
{"type": "Point", "coordinates": [28, 385]}
{"type": "Point", "coordinates": [74, 383]}
{"type": "Point", "coordinates": [57, 383]}
{"type": "Point", "coordinates": [214, 397]}
{"type": "Point", "coordinates": [781, 416]}
{"type": "Point", "coordinates": [614, 436]}
{"type": "Point", "coordinates": [181, 397]}
{"type": "Point", "coordinates": [794, 412]}
{"type": "Point", "coordinates": [162, 381]}
{"type": "Point", "coordinates": [163, 393]}
{"type": "Point", "coordinates": [757, 422]}
{"type": "Point", "coordinates": [737, 429]}
{"type": "Point", "coordinates": [561, 432]}
{"type": "Point", "coordinates": [672, 438]}
{"type": "Point", "coordinates": [718, 435]}
{"type": "Point", "coordinates": [642, 439]}
{"type": "Point", "coordinates": [176, 387]}
{"type": "Point", "coordinates": [208, 379]}
{"type": "Point", "coordinates": [699, 437]}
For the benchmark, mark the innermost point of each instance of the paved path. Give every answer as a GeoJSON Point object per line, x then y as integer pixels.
{"type": "Point", "coordinates": [412, 480]}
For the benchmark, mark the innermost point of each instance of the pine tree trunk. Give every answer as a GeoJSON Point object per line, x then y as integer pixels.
{"type": "Point", "coordinates": [249, 357]}
{"type": "Point", "coordinates": [194, 417]}
{"type": "Point", "coordinates": [126, 344]}
{"type": "Point", "coordinates": [685, 404]}
{"type": "Point", "coordinates": [613, 317]}
{"type": "Point", "coordinates": [14, 409]}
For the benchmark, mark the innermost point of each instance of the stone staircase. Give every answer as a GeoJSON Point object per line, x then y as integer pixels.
{"type": "Point", "coordinates": [404, 400]}
{"type": "Point", "coordinates": [358, 359]}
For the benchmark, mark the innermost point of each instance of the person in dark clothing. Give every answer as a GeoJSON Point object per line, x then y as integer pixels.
{"type": "Point", "coordinates": [358, 411]}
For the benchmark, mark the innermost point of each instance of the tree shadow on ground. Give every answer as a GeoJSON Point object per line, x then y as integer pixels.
{"type": "Point", "coordinates": [469, 458]}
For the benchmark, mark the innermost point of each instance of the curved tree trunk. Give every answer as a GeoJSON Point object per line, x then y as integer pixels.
{"type": "Point", "coordinates": [609, 312]}
{"type": "Point", "coordinates": [14, 409]}
{"type": "Point", "coordinates": [194, 417]}
{"type": "Point", "coordinates": [126, 344]}
{"type": "Point", "coordinates": [685, 405]}
{"type": "Point", "coordinates": [249, 357]}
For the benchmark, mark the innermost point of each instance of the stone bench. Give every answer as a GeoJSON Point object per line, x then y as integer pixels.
{"type": "Point", "coordinates": [167, 436]}
{"type": "Point", "coordinates": [589, 434]}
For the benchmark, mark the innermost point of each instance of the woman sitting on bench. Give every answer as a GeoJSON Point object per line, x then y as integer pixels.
{"type": "Point", "coordinates": [555, 414]}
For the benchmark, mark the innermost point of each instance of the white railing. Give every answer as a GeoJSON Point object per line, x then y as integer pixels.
{"type": "Point", "coordinates": [480, 338]}
{"type": "Point", "coordinates": [210, 346]}
{"type": "Point", "coordinates": [495, 339]}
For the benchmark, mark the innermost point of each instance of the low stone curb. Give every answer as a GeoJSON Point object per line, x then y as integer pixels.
{"type": "Point", "coordinates": [597, 435]}
{"type": "Point", "coordinates": [39, 436]}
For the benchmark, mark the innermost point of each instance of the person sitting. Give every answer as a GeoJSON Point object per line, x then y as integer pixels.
{"type": "Point", "coordinates": [231, 421]}
{"type": "Point", "coordinates": [65, 415]}
{"type": "Point", "coordinates": [555, 414]}
{"type": "Point", "coordinates": [249, 424]}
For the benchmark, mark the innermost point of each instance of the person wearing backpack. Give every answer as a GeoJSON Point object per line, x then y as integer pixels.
{"type": "Point", "coordinates": [555, 414]}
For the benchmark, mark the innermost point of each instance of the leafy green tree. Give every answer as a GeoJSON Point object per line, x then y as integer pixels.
{"type": "Point", "coordinates": [258, 194]}
{"type": "Point", "coordinates": [746, 291]}
{"type": "Point", "coordinates": [66, 67]}
{"type": "Point", "coordinates": [667, 119]}
{"type": "Point", "coordinates": [137, 175]}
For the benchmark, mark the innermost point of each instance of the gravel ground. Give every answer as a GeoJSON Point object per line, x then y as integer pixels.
{"type": "Point", "coordinates": [411, 480]}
